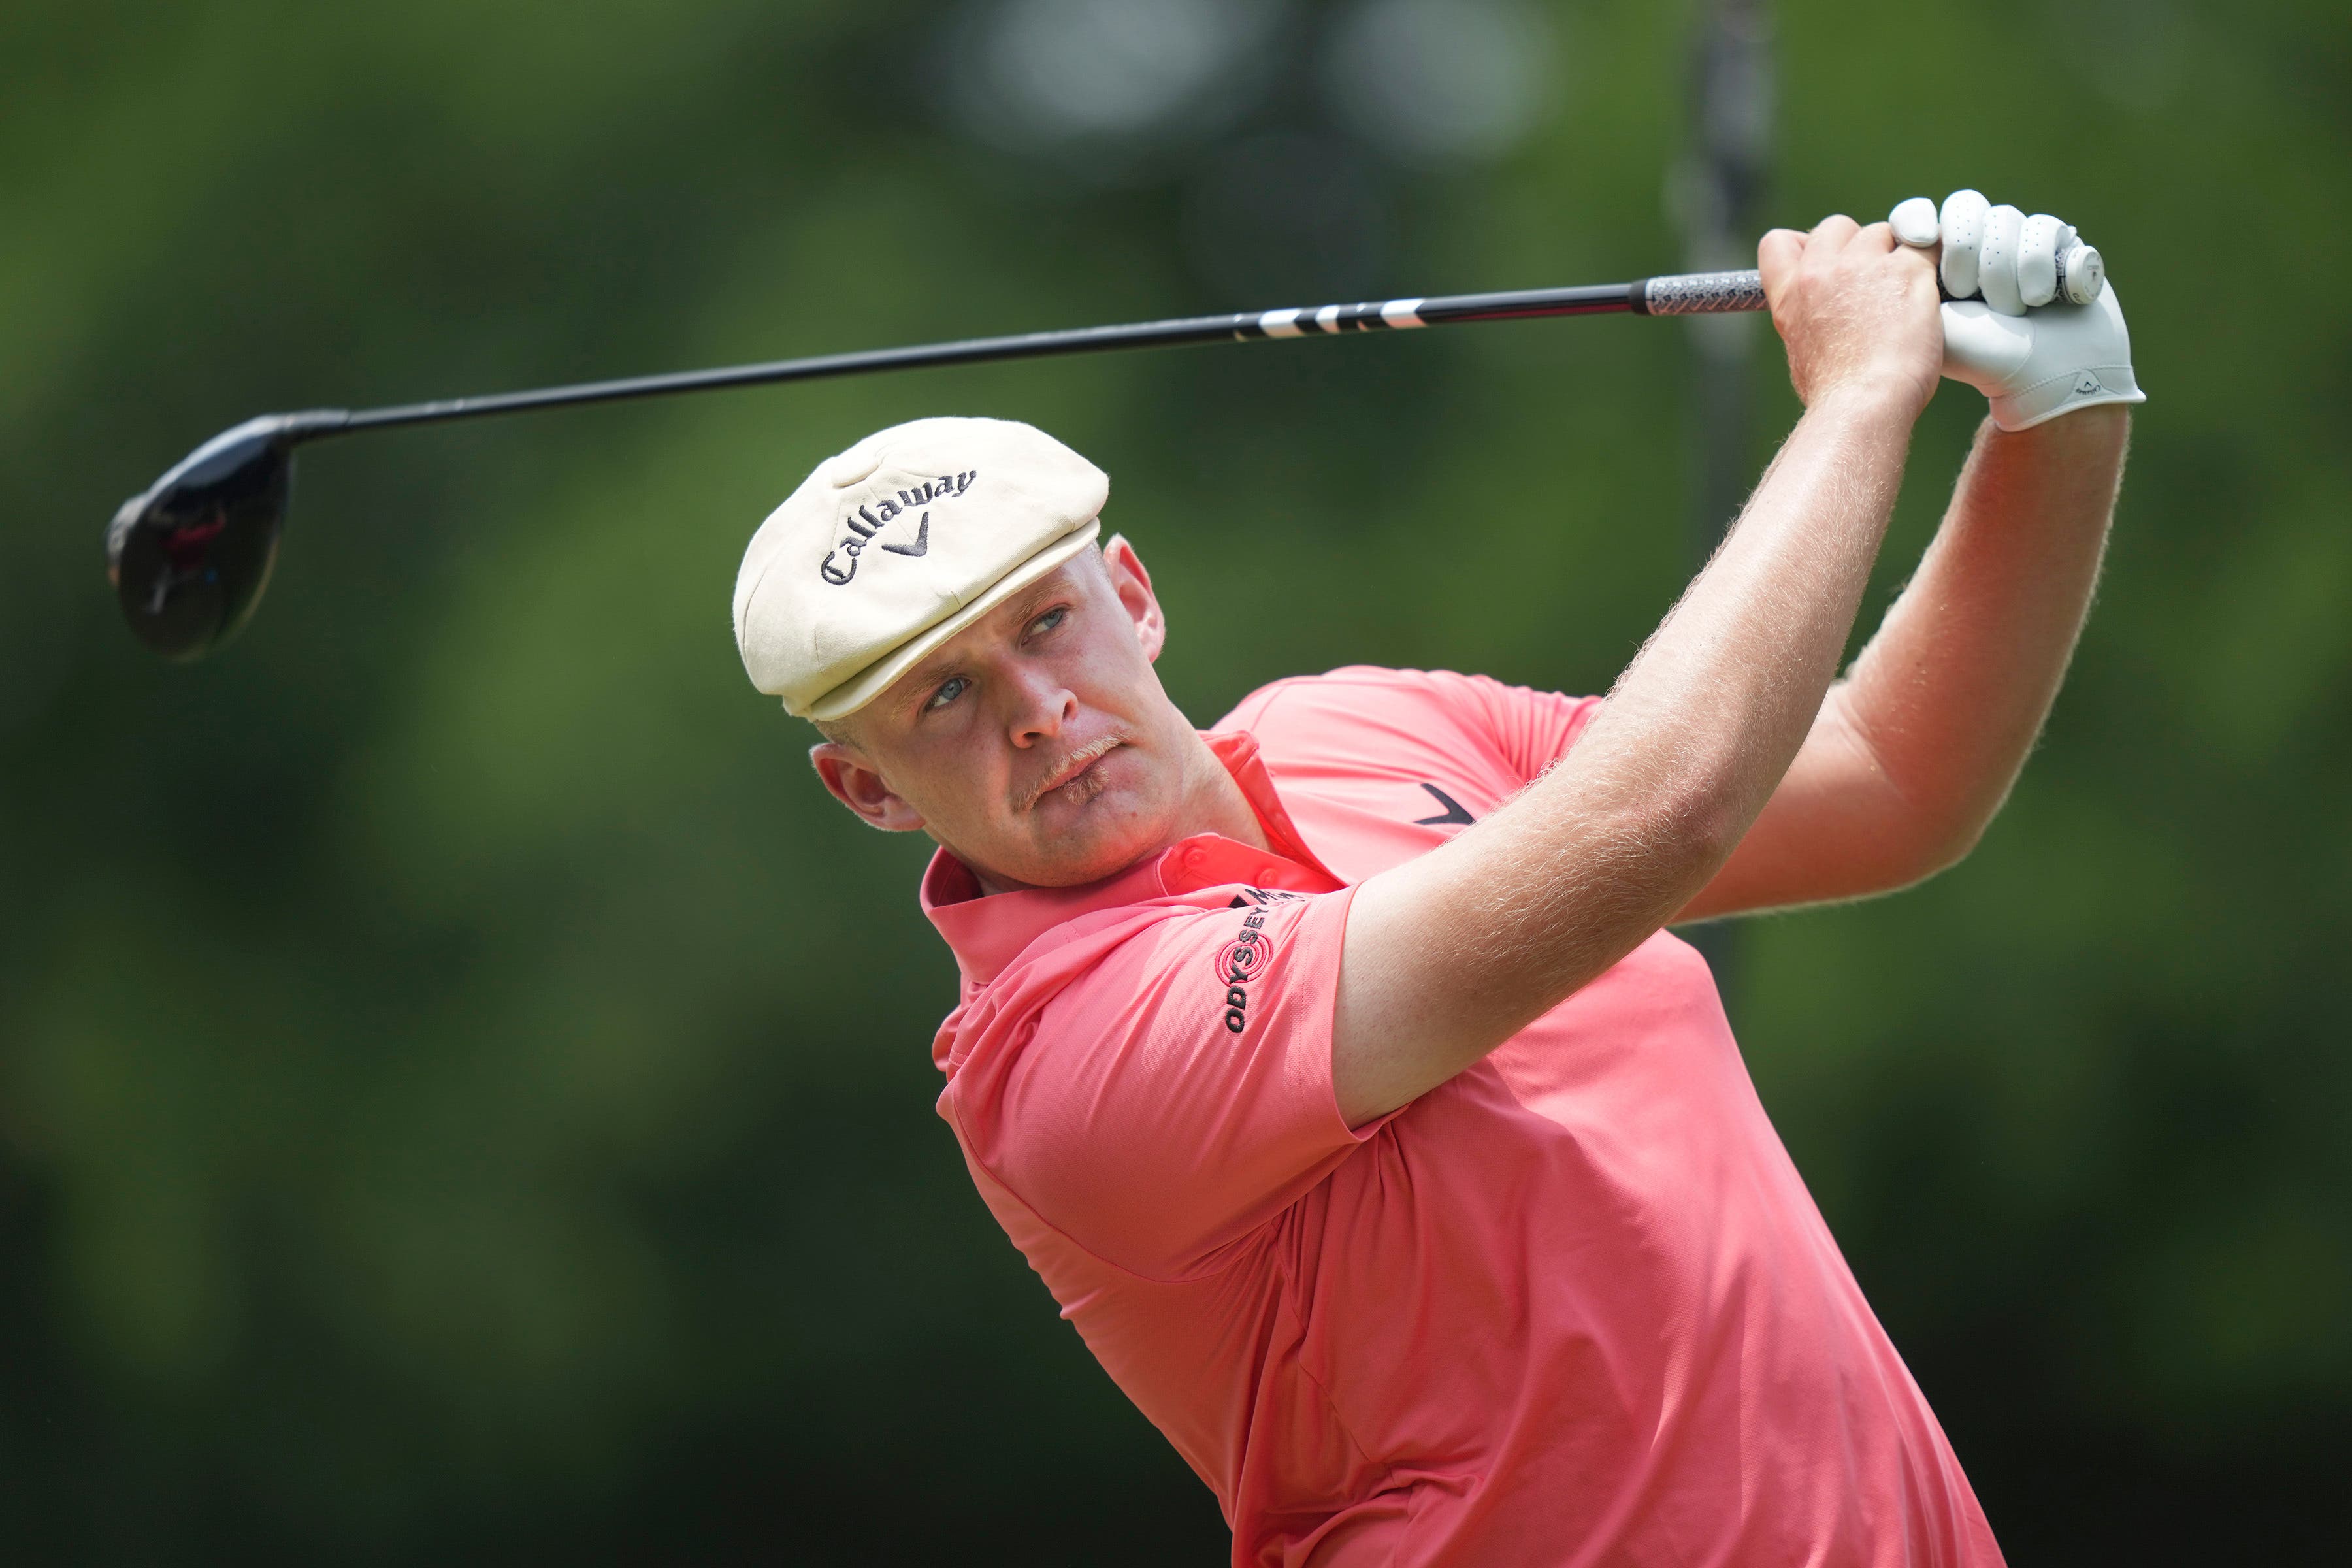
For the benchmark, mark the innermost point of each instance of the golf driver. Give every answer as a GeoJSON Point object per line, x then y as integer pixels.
{"type": "Point", "coordinates": [190, 555]}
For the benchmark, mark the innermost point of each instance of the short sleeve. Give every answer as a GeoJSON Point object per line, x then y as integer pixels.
{"type": "Point", "coordinates": [1171, 1093]}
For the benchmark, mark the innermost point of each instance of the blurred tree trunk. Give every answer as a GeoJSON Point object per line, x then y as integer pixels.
{"type": "Point", "coordinates": [1717, 191]}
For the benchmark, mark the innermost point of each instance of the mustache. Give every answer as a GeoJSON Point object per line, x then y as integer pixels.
{"type": "Point", "coordinates": [1069, 767]}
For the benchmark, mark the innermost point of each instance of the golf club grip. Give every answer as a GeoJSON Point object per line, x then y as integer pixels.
{"type": "Point", "coordinates": [1703, 293]}
{"type": "Point", "coordinates": [1684, 294]}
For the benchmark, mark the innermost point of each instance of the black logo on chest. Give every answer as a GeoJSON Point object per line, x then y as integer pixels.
{"type": "Point", "coordinates": [1454, 813]}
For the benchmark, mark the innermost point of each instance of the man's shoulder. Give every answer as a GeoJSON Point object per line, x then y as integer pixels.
{"type": "Point", "coordinates": [1352, 690]}
{"type": "Point", "coordinates": [1363, 718]}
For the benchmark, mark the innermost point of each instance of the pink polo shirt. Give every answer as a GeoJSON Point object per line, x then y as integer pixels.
{"type": "Point", "coordinates": [1575, 1306]}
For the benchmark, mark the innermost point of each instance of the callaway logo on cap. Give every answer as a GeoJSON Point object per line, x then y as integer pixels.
{"type": "Point", "coordinates": [898, 543]}
{"type": "Point", "coordinates": [908, 501]}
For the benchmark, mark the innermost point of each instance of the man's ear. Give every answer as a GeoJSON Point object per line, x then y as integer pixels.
{"type": "Point", "coordinates": [1133, 586]}
{"type": "Point", "coordinates": [852, 780]}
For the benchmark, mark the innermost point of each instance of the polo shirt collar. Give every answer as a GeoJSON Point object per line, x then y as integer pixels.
{"type": "Point", "coordinates": [988, 932]}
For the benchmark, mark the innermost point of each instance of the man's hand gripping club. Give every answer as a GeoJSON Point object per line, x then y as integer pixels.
{"type": "Point", "coordinates": [1448, 955]}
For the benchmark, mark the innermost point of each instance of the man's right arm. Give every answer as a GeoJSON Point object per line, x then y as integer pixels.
{"type": "Point", "coordinates": [1447, 956]}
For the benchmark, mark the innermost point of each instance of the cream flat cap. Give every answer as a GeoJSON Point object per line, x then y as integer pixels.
{"type": "Point", "coordinates": [896, 545]}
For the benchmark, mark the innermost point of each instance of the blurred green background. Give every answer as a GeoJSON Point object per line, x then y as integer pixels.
{"type": "Point", "coordinates": [464, 1092]}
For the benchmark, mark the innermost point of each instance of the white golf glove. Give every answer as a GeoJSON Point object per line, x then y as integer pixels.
{"type": "Point", "coordinates": [2031, 323]}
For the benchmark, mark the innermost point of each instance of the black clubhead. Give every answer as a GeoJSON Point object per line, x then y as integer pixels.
{"type": "Point", "coordinates": [189, 557]}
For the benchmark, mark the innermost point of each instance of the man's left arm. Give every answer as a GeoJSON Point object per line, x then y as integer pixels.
{"type": "Point", "coordinates": [1916, 748]}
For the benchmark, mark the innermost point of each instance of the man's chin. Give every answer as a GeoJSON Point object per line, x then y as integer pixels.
{"type": "Point", "coordinates": [1093, 851]}
{"type": "Point", "coordinates": [1074, 842]}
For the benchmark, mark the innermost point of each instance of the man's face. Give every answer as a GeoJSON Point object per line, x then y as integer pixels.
{"type": "Point", "coordinates": [1038, 745]}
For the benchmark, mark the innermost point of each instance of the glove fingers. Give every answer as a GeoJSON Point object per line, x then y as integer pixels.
{"type": "Point", "coordinates": [1962, 221]}
{"type": "Point", "coordinates": [2037, 259]}
{"type": "Point", "coordinates": [1997, 263]}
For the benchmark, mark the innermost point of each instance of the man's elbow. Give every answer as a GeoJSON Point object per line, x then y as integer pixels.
{"type": "Point", "coordinates": [1689, 835]}
{"type": "Point", "coordinates": [1936, 847]}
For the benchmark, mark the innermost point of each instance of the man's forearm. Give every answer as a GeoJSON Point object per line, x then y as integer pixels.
{"type": "Point", "coordinates": [1449, 954]}
{"type": "Point", "coordinates": [1950, 694]}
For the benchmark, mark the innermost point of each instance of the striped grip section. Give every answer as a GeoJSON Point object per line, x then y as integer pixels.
{"type": "Point", "coordinates": [1370, 316]}
{"type": "Point", "coordinates": [1703, 293]}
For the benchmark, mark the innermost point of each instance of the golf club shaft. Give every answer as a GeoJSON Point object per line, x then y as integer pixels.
{"type": "Point", "coordinates": [1676, 294]}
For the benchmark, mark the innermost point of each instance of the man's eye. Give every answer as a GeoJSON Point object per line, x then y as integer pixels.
{"type": "Point", "coordinates": [949, 690]}
{"type": "Point", "coordinates": [1049, 620]}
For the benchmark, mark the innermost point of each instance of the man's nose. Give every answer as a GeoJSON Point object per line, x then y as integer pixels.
{"type": "Point", "coordinates": [1042, 706]}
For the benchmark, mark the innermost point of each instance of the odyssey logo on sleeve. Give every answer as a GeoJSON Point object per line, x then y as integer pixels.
{"type": "Point", "coordinates": [1242, 960]}
{"type": "Point", "coordinates": [1238, 963]}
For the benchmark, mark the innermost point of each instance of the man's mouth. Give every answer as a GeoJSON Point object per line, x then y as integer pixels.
{"type": "Point", "coordinates": [1076, 767]}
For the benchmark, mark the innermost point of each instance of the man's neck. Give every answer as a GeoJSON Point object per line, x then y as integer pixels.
{"type": "Point", "coordinates": [1213, 803]}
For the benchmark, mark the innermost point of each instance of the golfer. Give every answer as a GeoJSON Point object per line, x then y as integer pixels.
{"type": "Point", "coordinates": [1334, 1066]}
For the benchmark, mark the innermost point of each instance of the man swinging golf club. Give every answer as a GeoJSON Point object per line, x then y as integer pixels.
{"type": "Point", "coordinates": [1334, 1068]}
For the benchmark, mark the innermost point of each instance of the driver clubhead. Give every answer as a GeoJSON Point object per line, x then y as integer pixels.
{"type": "Point", "coordinates": [190, 555]}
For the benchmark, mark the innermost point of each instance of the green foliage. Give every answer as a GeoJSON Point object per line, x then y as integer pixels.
{"type": "Point", "coordinates": [463, 1090]}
